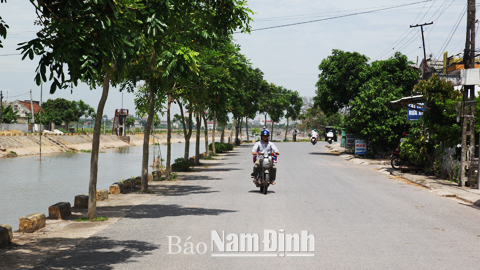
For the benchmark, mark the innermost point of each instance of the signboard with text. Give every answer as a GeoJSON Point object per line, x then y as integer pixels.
{"type": "Point", "coordinates": [414, 115]}
{"type": "Point", "coordinates": [360, 147]}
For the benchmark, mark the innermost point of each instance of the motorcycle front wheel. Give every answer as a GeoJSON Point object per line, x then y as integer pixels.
{"type": "Point", "coordinates": [395, 162]}
{"type": "Point", "coordinates": [265, 183]}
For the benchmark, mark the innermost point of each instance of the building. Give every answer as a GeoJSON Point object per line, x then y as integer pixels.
{"type": "Point", "coordinates": [23, 109]}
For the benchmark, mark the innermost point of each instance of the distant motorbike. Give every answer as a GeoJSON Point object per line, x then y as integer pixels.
{"type": "Point", "coordinates": [330, 137]}
{"type": "Point", "coordinates": [313, 140]}
{"type": "Point", "coordinates": [395, 159]}
{"type": "Point", "coordinates": [266, 164]}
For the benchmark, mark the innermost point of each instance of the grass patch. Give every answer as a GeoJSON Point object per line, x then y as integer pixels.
{"type": "Point", "coordinates": [174, 176]}
{"type": "Point", "coordinates": [95, 219]}
{"type": "Point", "coordinates": [209, 157]}
{"type": "Point", "coordinates": [148, 191]}
{"type": "Point", "coordinates": [86, 151]}
{"type": "Point", "coordinates": [162, 178]}
{"type": "Point", "coordinates": [71, 151]}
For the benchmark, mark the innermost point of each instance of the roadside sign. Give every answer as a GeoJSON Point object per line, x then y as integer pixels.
{"type": "Point", "coordinates": [414, 115]}
{"type": "Point", "coordinates": [360, 147]}
{"type": "Point", "coordinates": [350, 141]}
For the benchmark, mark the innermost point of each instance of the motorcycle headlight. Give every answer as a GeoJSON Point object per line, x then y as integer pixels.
{"type": "Point", "coordinates": [266, 163]}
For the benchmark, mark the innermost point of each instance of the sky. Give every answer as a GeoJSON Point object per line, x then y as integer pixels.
{"type": "Point", "coordinates": [289, 39]}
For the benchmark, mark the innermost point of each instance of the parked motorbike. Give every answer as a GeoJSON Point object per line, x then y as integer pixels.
{"type": "Point", "coordinates": [330, 137]}
{"type": "Point", "coordinates": [395, 159]}
{"type": "Point", "coordinates": [313, 140]}
{"type": "Point", "coordinates": [266, 164]}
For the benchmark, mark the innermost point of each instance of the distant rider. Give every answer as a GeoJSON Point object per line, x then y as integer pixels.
{"type": "Point", "coordinates": [315, 134]}
{"type": "Point", "coordinates": [294, 134]}
{"type": "Point", "coordinates": [262, 146]}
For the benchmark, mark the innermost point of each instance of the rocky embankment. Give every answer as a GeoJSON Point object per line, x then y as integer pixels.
{"type": "Point", "coordinates": [22, 144]}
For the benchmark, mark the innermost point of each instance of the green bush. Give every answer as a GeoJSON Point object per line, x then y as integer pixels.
{"type": "Point", "coordinates": [182, 165]}
{"type": "Point", "coordinates": [221, 147]}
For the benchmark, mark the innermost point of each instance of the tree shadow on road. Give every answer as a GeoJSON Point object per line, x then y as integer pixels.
{"type": "Point", "coordinates": [324, 153]}
{"type": "Point", "coordinates": [98, 253]}
{"type": "Point", "coordinates": [173, 210]}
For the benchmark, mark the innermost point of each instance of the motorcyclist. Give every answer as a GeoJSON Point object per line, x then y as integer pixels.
{"type": "Point", "coordinates": [262, 146]}
{"type": "Point", "coordinates": [314, 134]}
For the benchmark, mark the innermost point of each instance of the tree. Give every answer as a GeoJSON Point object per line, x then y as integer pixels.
{"type": "Point", "coordinates": [341, 76]}
{"type": "Point", "coordinates": [293, 108]}
{"type": "Point", "coordinates": [3, 27]}
{"type": "Point", "coordinates": [56, 111]}
{"type": "Point", "coordinates": [93, 41]}
{"type": "Point", "coordinates": [371, 117]}
{"type": "Point", "coordinates": [9, 116]}
{"type": "Point", "coordinates": [80, 109]}
{"type": "Point", "coordinates": [438, 122]}
{"type": "Point", "coordinates": [129, 122]}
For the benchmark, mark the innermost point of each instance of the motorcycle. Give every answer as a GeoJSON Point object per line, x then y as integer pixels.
{"type": "Point", "coordinates": [329, 137]}
{"type": "Point", "coordinates": [395, 159]}
{"type": "Point", "coordinates": [266, 163]}
{"type": "Point", "coordinates": [313, 140]}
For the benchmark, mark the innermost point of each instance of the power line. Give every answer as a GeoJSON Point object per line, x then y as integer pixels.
{"type": "Point", "coordinates": [452, 32]}
{"type": "Point", "coordinates": [337, 17]}
{"type": "Point", "coordinates": [10, 54]}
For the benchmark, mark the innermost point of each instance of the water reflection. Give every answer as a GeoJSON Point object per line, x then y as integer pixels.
{"type": "Point", "coordinates": [30, 186]}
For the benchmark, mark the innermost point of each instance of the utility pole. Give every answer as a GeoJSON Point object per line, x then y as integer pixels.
{"type": "Point", "coordinates": [424, 53]}
{"type": "Point", "coordinates": [40, 113]}
{"type": "Point", "coordinates": [31, 107]}
{"type": "Point", "coordinates": [468, 136]}
{"type": "Point", "coordinates": [1, 108]}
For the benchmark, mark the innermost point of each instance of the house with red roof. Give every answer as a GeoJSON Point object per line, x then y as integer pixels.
{"type": "Point", "coordinates": [24, 109]}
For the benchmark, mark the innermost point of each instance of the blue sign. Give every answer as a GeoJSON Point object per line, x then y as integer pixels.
{"type": "Point", "coordinates": [414, 115]}
{"type": "Point", "coordinates": [360, 147]}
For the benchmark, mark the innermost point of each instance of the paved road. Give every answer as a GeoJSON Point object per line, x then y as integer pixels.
{"type": "Point", "coordinates": [357, 217]}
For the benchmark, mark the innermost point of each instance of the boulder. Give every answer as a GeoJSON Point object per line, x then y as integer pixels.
{"type": "Point", "coordinates": [102, 195]}
{"type": "Point", "coordinates": [32, 222]}
{"type": "Point", "coordinates": [138, 180]}
{"type": "Point", "coordinates": [60, 210]}
{"type": "Point", "coordinates": [6, 235]}
{"type": "Point", "coordinates": [156, 175]}
{"type": "Point", "coordinates": [81, 201]}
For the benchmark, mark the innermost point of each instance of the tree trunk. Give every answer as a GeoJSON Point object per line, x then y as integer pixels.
{"type": "Point", "coordinates": [185, 134]}
{"type": "Point", "coordinates": [206, 132]}
{"type": "Point", "coordinates": [286, 131]}
{"type": "Point", "coordinates": [92, 188]}
{"type": "Point", "coordinates": [222, 137]}
{"type": "Point", "coordinates": [237, 140]}
{"type": "Point", "coordinates": [240, 124]}
{"type": "Point", "coordinates": [271, 133]}
{"type": "Point", "coordinates": [231, 130]}
{"type": "Point", "coordinates": [146, 131]}
{"type": "Point", "coordinates": [213, 133]}
{"type": "Point", "coordinates": [146, 139]}
{"type": "Point", "coordinates": [246, 127]}
{"type": "Point", "coordinates": [197, 139]}
{"type": "Point", "coordinates": [169, 139]}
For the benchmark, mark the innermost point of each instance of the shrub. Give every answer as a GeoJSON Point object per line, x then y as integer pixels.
{"type": "Point", "coordinates": [221, 147]}
{"type": "Point", "coordinates": [182, 165]}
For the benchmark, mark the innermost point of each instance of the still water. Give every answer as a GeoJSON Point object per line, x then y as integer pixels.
{"type": "Point", "coordinates": [29, 186]}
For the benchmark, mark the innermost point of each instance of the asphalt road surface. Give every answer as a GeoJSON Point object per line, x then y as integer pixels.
{"type": "Point", "coordinates": [324, 213]}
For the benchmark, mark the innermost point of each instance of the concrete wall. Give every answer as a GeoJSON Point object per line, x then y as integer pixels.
{"type": "Point", "coordinates": [19, 127]}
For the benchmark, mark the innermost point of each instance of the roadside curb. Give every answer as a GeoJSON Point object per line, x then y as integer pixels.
{"type": "Point", "coordinates": [440, 187]}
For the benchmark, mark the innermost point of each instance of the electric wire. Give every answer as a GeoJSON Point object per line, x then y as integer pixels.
{"type": "Point", "coordinates": [336, 17]}
{"type": "Point", "coordinates": [452, 32]}
{"type": "Point", "coordinates": [19, 95]}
